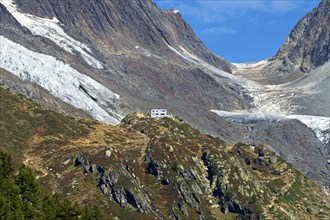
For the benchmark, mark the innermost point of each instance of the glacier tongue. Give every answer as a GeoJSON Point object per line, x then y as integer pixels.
{"type": "Point", "coordinates": [50, 28]}
{"type": "Point", "coordinates": [60, 80]}
{"type": "Point", "coordinates": [319, 125]}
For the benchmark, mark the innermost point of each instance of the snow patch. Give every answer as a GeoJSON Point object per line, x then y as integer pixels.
{"type": "Point", "coordinates": [178, 53]}
{"type": "Point", "coordinates": [60, 80]}
{"type": "Point", "coordinates": [319, 125]}
{"type": "Point", "coordinates": [50, 28]}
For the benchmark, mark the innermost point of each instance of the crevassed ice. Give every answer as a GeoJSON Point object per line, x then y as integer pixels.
{"type": "Point", "coordinates": [49, 28]}
{"type": "Point", "coordinates": [60, 80]}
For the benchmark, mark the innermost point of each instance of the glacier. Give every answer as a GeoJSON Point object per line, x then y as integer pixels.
{"type": "Point", "coordinates": [253, 65]}
{"type": "Point", "coordinates": [319, 125]}
{"type": "Point", "coordinates": [60, 80]}
{"type": "Point", "coordinates": [269, 104]}
{"type": "Point", "coordinates": [50, 28]}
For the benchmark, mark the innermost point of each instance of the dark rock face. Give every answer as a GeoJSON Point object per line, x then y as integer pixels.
{"type": "Point", "coordinates": [308, 45]}
{"type": "Point", "coordinates": [153, 169]}
{"type": "Point", "coordinates": [112, 185]}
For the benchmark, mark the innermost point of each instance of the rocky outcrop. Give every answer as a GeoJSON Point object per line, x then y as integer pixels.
{"type": "Point", "coordinates": [120, 186]}
{"type": "Point", "coordinates": [226, 199]}
{"type": "Point", "coordinates": [125, 196]}
{"type": "Point", "coordinates": [184, 182]}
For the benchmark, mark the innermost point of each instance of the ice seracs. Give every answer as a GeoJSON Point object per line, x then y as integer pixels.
{"type": "Point", "coordinates": [60, 80]}
{"type": "Point", "coordinates": [51, 29]}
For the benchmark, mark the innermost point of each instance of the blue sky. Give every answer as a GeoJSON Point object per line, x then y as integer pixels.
{"type": "Point", "coordinates": [242, 30]}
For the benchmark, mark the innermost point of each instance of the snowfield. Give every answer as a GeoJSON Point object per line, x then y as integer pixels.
{"type": "Point", "coordinates": [60, 80]}
{"type": "Point", "coordinates": [50, 28]}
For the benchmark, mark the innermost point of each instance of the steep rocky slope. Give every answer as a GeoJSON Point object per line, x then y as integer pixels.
{"type": "Point", "coordinates": [308, 45]}
{"type": "Point", "coordinates": [306, 48]}
{"type": "Point", "coordinates": [111, 37]}
{"type": "Point", "coordinates": [147, 168]}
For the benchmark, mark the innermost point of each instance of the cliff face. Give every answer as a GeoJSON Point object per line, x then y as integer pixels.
{"type": "Point", "coordinates": [308, 45]}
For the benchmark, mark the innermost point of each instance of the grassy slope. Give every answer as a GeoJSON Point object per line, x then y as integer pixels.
{"type": "Point", "coordinates": [45, 139]}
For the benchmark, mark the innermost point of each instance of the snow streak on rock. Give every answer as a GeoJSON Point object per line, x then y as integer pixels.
{"type": "Point", "coordinates": [60, 80]}
{"type": "Point", "coordinates": [50, 28]}
{"type": "Point", "coordinates": [247, 84]}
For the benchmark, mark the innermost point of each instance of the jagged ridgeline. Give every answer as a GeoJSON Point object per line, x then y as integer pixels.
{"type": "Point", "coordinates": [147, 168]}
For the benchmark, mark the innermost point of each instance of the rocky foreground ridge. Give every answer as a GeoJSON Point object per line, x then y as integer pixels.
{"type": "Point", "coordinates": [148, 168]}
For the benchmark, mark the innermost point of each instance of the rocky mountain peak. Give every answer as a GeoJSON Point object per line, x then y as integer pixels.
{"type": "Point", "coordinates": [308, 45]}
{"type": "Point", "coordinates": [122, 25]}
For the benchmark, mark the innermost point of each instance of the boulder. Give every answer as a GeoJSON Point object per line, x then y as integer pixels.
{"type": "Point", "coordinates": [108, 153]}
{"type": "Point", "coordinates": [183, 208]}
{"type": "Point", "coordinates": [66, 162]}
{"type": "Point", "coordinates": [272, 159]}
{"type": "Point", "coordinates": [165, 181]}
